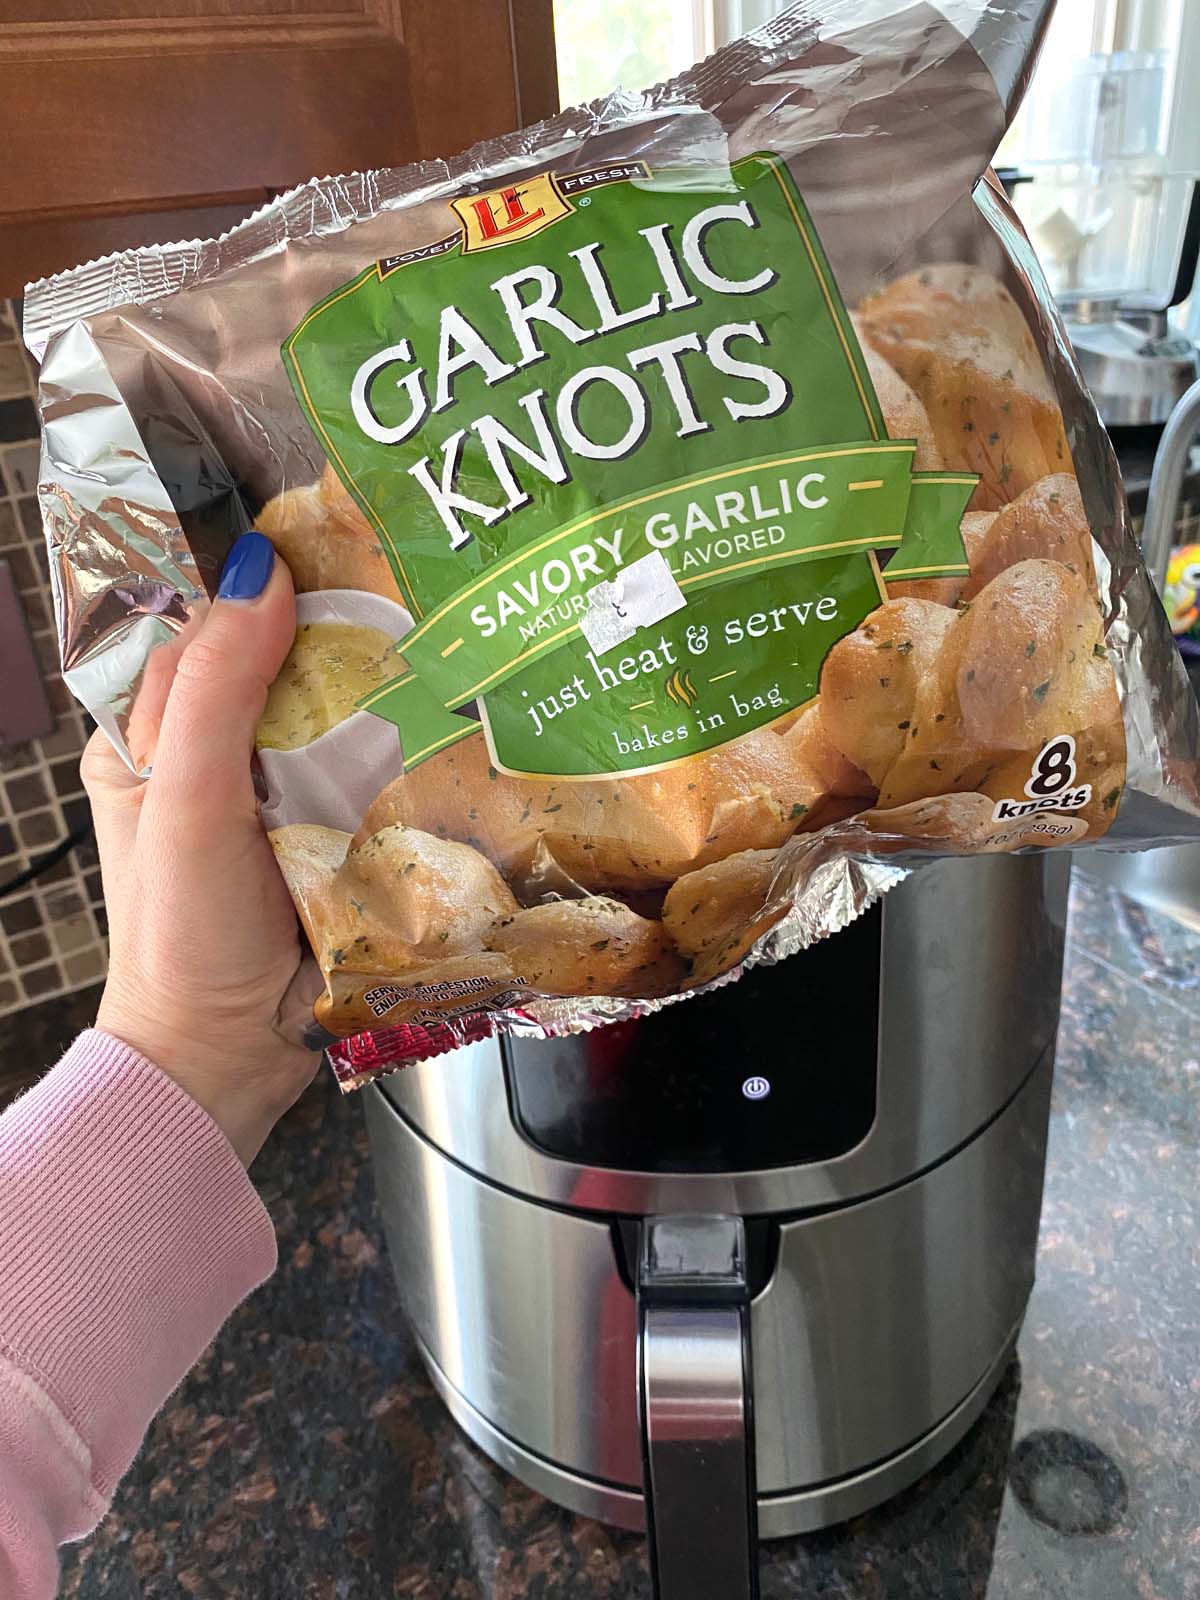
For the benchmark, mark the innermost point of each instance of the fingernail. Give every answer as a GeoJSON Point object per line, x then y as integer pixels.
{"type": "Point", "coordinates": [247, 568]}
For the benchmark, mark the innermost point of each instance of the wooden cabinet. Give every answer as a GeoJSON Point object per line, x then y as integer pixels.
{"type": "Point", "coordinates": [125, 121]}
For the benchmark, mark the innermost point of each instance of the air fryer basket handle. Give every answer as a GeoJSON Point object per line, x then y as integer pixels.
{"type": "Point", "coordinates": [696, 1408]}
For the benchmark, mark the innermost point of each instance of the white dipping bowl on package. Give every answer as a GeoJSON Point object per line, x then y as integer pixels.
{"type": "Point", "coordinates": [333, 779]}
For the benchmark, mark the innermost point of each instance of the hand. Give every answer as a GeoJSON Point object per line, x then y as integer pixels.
{"type": "Point", "coordinates": [203, 935]}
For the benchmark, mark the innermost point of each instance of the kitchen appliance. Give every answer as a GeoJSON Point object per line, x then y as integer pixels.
{"type": "Point", "coordinates": [1110, 134]}
{"type": "Point", "coordinates": [1165, 880]}
{"type": "Point", "coordinates": [753, 1263]}
{"type": "Point", "coordinates": [1134, 363]}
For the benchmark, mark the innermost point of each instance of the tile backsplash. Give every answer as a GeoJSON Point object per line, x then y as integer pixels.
{"type": "Point", "coordinates": [53, 928]}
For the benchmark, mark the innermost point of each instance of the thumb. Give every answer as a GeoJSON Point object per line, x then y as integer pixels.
{"type": "Point", "coordinates": [220, 686]}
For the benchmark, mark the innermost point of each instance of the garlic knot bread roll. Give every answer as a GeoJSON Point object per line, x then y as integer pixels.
{"type": "Point", "coordinates": [870, 679]}
{"type": "Point", "coordinates": [400, 899]}
{"type": "Point", "coordinates": [809, 741]}
{"type": "Point", "coordinates": [326, 541]}
{"type": "Point", "coordinates": [718, 913]}
{"type": "Point", "coordinates": [626, 833]}
{"type": "Point", "coordinates": [1018, 660]}
{"type": "Point", "coordinates": [903, 413]}
{"type": "Point", "coordinates": [931, 701]}
{"type": "Point", "coordinates": [1045, 522]}
{"type": "Point", "coordinates": [958, 339]}
{"type": "Point", "coordinates": [592, 946]}
{"type": "Point", "coordinates": [419, 898]}
{"type": "Point", "coordinates": [309, 858]}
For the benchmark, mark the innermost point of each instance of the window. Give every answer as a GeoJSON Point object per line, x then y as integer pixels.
{"type": "Point", "coordinates": [630, 44]}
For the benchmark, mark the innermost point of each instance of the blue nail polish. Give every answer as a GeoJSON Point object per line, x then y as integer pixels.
{"type": "Point", "coordinates": [247, 568]}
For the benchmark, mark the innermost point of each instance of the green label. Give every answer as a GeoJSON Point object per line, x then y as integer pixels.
{"type": "Point", "coordinates": [589, 368]}
{"type": "Point", "coordinates": [932, 546]}
{"type": "Point", "coordinates": [738, 656]}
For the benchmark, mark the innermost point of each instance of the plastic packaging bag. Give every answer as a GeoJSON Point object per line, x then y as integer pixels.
{"type": "Point", "coordinates": [696, 513]}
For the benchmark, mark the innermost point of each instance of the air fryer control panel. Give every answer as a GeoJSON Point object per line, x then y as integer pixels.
{"type": "Point", "coordinates": [775, 1070]}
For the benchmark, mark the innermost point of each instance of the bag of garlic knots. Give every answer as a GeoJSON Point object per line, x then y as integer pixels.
{"type": "Point", "coordinates": [696, 518]}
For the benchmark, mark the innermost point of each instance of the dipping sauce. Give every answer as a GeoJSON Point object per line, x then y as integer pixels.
{"type": "Point", "coordinates": [329, 668]}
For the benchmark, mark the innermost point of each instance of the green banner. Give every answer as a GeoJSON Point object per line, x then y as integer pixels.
{"type": "Point", "coordinates": [808, 504]}
{"type": "Point", "coordinates": [735, 658]}
{"type": "Point", "coordinates": [932, 546]}
{"type": "Point", "coordinates": [729, 662]}
{"type": "Point", "coordinates": [864, 491]}
{"type": "Point", "coordinates": [425, 725]}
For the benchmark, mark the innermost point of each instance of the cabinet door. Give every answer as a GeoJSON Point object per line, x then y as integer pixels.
{"type": "Point", "coordinates": [123, 121]}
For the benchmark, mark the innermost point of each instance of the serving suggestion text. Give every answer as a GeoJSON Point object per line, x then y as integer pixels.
{"type": "Point", "coordinates": [656, 661]}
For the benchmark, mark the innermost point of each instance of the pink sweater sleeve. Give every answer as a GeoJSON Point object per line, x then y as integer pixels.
{"type": "Point", "coordinates": [128, 1233]}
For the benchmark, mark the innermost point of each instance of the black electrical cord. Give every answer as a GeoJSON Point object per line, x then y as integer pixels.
{"type": "Point", "coordinates": [44, 863]}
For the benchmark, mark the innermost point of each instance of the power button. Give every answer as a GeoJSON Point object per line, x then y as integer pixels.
{"type": "Point", "coordinates": [756, 1088]}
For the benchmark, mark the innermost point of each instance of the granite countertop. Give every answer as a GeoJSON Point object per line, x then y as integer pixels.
{"type": "Point", "coordinates": [307, 1457]}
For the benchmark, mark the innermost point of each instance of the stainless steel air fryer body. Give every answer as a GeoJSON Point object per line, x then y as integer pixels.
{"type": "Point", "coordinates": [856, 1138]}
